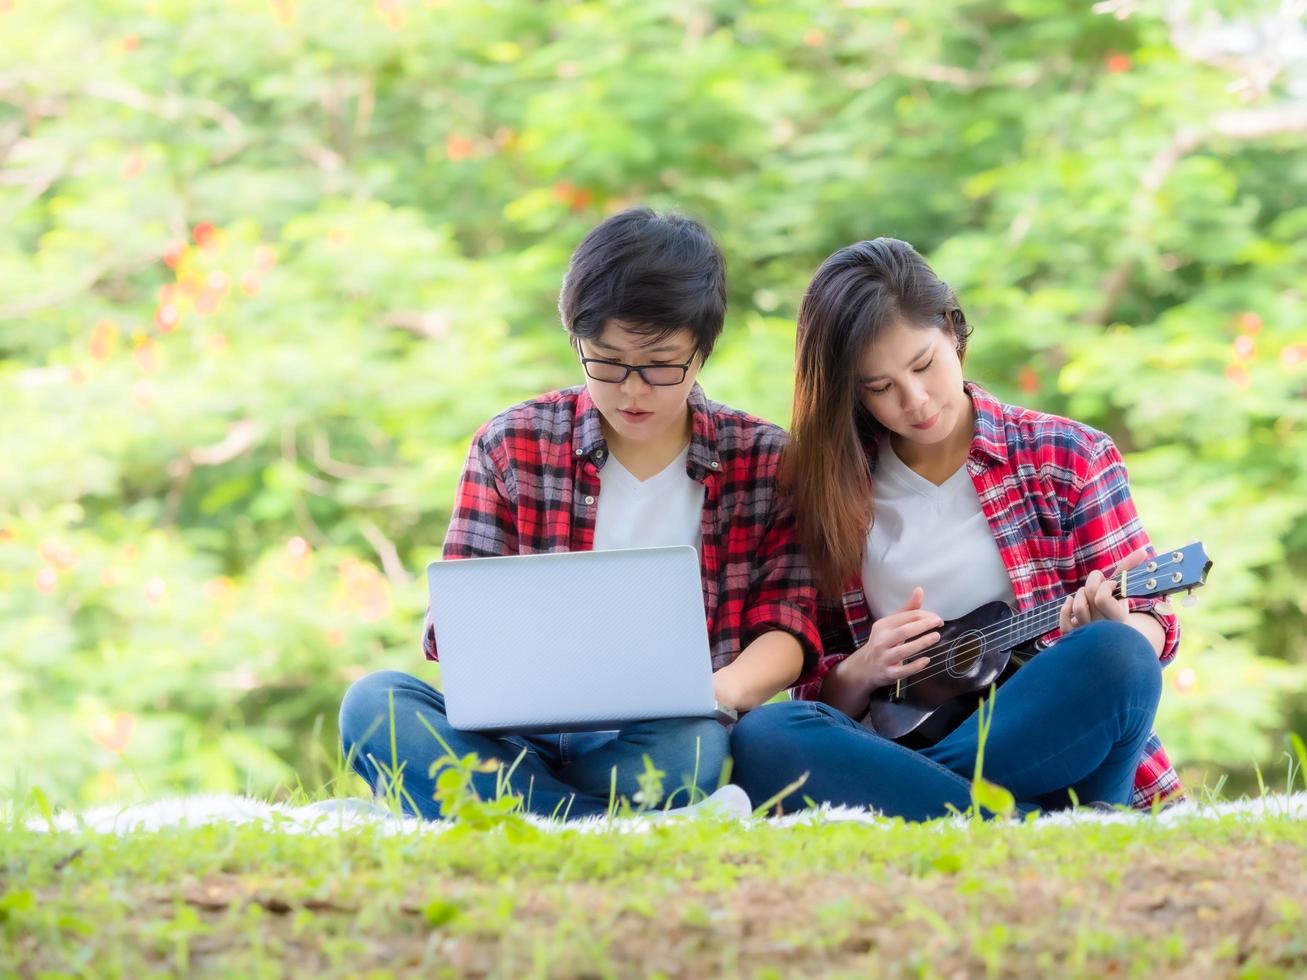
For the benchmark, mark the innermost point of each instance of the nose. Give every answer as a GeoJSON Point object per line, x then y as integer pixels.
{"type": "Point", "coordinates": [914, 396]}
{"type": "Point", "coordinates": [634, 384]}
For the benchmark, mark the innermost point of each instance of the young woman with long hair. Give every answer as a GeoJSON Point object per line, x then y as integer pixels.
{"type": "Point", "coordinates": [920, 497]}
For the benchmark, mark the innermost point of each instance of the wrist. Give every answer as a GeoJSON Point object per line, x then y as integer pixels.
{"type": "Point", "coordinates": [726, 688]}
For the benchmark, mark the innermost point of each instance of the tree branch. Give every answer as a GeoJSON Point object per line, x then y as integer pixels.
{"type": "Point", "coordinates": [1252, 124]}
{"type": "Point", "coordinates": [386, 552]}
{"type": "Point", "coordinates": [345, 471]}
{"type": "Point", "coordinates": [174, 106]}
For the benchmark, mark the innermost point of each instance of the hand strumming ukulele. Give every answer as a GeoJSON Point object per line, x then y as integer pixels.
{"type": "Point", "coordinates": [974, 650]}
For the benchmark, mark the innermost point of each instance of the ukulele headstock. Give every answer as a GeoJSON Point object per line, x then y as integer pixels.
{"type": "Point", "coordinates": [1167, 572]}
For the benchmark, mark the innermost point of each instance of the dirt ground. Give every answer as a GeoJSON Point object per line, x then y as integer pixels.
{"type": "Point", "coordinates": [1224, 911]}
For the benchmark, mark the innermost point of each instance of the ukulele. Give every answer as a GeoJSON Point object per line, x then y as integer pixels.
{"type": "Point", "coordinates": [974, 650]}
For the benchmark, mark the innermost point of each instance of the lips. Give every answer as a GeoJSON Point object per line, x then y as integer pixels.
{"type": "Point", "coordinates": [633, 416]}
{"type": "Point", "coordinates": [929, 423]}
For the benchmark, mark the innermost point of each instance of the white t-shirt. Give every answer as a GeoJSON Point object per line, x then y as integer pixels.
{"type": "Point", "coordinates": [933, 536]}
{"type": "Point", "coordinates": [665, 509]}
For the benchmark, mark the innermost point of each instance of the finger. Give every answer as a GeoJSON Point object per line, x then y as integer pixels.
{"type": "Point", "coordinates": [908, 650]}
{"type": "Point", "coordinates": [1136, 557]}
{"type": "Point", "coordinates": [1106, 604]}
{"type": "Point", "coordinates": [908, 631]}
{"type": "Point", "coordinates": [1064, 623]}
{"type": "Point", "coordinates": [1094, 580]}
{"type": "Point", "coordinates": [896, 655]}
{"type": "Point", "coordinates": [1080, 613]}
{"type": "Point", "coordinates": [915, 600]}
{"type": "Point", "coordinates": [913, 621]}
{"type": "Point", "coordinates": [899, 671]}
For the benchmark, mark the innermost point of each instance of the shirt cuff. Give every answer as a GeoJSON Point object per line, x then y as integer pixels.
{"type": "Point", "coordinates": [788, 618]}
{"type": "Point", "coordinates": [1162, 611]}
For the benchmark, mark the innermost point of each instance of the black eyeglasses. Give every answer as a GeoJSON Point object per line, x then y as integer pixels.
{"type": "Point", "coordinates": [615, 372]}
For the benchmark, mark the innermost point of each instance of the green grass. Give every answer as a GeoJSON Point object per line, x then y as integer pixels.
{"type": "Point", "coordinates": [1203, 897]}
{"type": "Point", "coordinates": [495, 894]}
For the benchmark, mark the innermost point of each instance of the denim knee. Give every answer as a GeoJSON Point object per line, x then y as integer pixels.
{"type": "Point", "coordinates": [1115, 661]}
{"type": "Point", "coordinates": [701, 744]}
{"type": "Point", "coordinates": [761, 730]}
{"type": "Point", "coordinates": [1118, 650]}
{"type": "Point", "coordinates": [365, 709]}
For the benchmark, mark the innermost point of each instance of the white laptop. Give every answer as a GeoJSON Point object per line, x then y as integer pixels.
{"type": "Point", "coordinates": [579, 641]}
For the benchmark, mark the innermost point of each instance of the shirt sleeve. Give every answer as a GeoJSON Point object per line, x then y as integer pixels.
{"type": "Point", "coordinates": [783, 595]}
{"type": "Point", "coordinates": [1105, 528]}
{"type": "Point", "coordinates": [483, 523]}
{"type": "Point", "coordinates": [835, 633]}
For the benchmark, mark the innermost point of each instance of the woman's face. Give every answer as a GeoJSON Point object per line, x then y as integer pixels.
{"type": "Point", "coordinates": [910, 380]}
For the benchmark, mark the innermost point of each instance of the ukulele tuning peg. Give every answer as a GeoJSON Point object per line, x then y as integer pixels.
{"type": "Point", "coordinates": [1189, 599]}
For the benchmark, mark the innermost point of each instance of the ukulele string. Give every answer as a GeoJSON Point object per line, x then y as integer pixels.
{"type": "Point", "coordinates": [1045, 617]}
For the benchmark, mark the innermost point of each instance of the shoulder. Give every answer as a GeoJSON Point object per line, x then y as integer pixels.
{"type": "Point", "coordinates": [1045, 432]}
{"type": "Point", "coordinates": [748, 445]}
{"type": "Point", "coordinates": [1053, 445]}
{"type": "Point", "coordinates": [544, 418]}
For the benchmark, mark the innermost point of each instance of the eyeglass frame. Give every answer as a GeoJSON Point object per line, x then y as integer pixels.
{"type": "Point", "coordinates": [638, 369]}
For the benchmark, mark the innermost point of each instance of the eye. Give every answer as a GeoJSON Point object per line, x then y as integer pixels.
{"type": "Point", "coordinates": [925, 367]}
{"type": "Point", "coordinates": [878, 391]}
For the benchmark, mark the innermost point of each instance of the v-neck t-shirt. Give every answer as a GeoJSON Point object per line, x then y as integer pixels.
{"type": "Point", "coordinates": [935, 536]}
{"type": "Point", "coordinates": [666, 509]}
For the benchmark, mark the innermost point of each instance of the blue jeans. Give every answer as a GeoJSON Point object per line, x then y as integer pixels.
{"type": "Point", "coordinates": [567, 774]}
{"type": "Point", "coordinates": [1075, 717]}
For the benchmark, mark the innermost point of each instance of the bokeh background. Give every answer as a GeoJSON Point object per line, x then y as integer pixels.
{"type": "Point", "coordinates": [265, 266]}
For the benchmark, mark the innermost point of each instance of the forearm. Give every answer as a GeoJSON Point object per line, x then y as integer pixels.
{"type": "Point", "coordinates": [767, 666]}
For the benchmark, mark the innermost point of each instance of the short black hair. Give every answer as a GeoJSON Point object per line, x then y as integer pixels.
{"type": "Point", "coordinates": [656, 273]}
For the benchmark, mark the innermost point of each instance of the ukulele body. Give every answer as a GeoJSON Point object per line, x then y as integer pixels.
{"type": "Point", "coordinates": [963, 664]}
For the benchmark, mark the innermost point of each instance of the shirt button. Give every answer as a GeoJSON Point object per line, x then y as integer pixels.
{"type": "Point", "coordinates": [715, 465]}
{"type": "Point", "coordinates": [589, 500]}
{"type": "Point", "coordinates": [580, 452]}
{"type": "Point", "coordinates": [599, 454]}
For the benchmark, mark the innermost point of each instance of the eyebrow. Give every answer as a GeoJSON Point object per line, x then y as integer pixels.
{"type": "Point", "coordinates": [661, 349]}
{"type": "Point", "coordinates": [863, 379]}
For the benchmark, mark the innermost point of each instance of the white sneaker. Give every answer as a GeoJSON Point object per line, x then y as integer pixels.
{"type": "Point", "coordinates": [728, 803]}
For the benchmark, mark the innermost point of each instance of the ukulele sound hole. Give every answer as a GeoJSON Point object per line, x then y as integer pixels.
{"type": "Point", "coordinates": [964, 654]}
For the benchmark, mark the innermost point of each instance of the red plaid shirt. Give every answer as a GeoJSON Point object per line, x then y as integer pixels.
{"type": "Point", "coordinates": [531, 485]}
{"type": "Point", "coordinates": [1058, 504]}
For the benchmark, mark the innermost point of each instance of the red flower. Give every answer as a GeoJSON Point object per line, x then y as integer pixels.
{"type": "Point", "coordinates": [459, 147]}
{"type": "Point", "coordinates": [104, 336]}
{"type": "Point", "coordinates": [114, 731]}
{"type": "Point", "coordinates": [203, 233]}
{"type": "Point", "coordinates": [576, 198]}
{"type": "Point", "coordinates": [172, 254]}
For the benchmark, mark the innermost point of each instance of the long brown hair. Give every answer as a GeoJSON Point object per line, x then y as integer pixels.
{"type": "Point", "coordinates": [855, 294]}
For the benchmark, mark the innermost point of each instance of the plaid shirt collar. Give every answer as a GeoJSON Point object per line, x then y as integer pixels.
{"type": "Point", "coordinates": [588, 434]}
{"type": "Point", "coordinates": [989, 441]}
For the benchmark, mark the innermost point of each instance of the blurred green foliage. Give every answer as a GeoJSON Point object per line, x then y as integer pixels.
{"type": "Point", "coordinates": [265, 266]}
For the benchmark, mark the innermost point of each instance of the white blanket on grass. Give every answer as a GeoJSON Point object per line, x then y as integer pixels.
{"type": "Point", "coordinates": [191, 811]}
